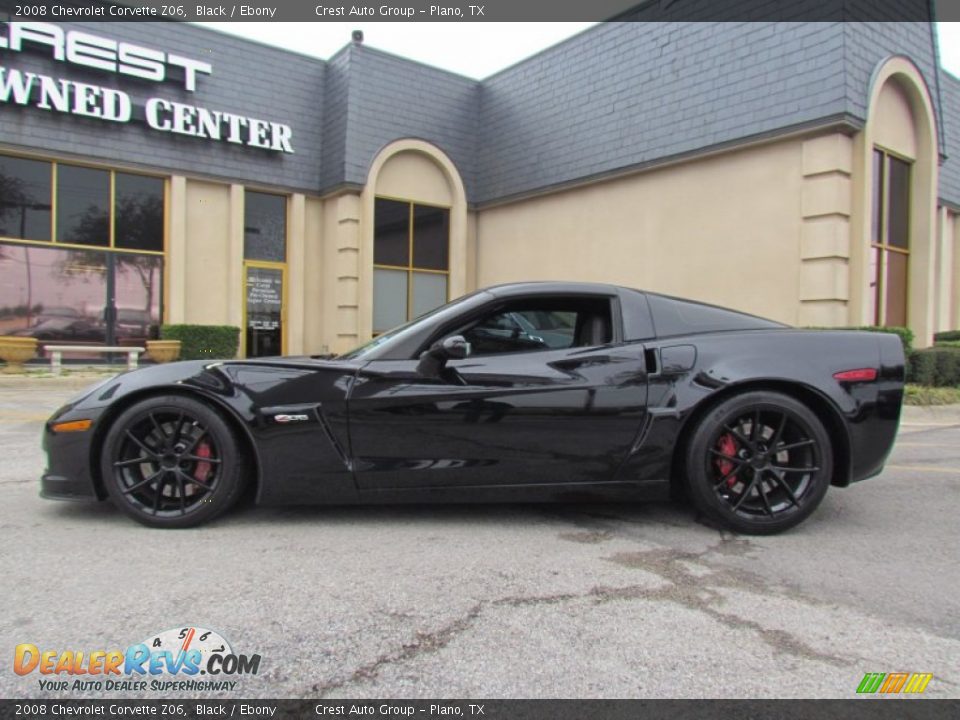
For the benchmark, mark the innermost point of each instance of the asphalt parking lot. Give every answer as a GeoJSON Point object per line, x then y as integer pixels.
{"type": "Point", "coordinates": [500, 601]}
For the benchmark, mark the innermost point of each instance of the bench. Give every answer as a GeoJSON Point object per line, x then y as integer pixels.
{"type": "Point", "coordinates": [56, 354]}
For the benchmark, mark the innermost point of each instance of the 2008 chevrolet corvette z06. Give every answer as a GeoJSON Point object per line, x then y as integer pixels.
{"type": "Point", "coordinates": [547, 391]}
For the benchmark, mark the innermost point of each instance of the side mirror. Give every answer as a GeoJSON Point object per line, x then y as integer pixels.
{"type": "Point", "coordinates": [433, 361]}
{"type": "Point", "coordinates": [455, 347]}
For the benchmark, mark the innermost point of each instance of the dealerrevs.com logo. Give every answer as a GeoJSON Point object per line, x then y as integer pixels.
{"type": "Point", "coordinates": [171, 660]}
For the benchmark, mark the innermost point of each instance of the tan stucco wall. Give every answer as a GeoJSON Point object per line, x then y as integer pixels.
{"type": "Point", "coordinates": [411, 175]}
{"type": "Point", "coordinates": [207, 300]}
{"type": "Point", "coordinates": [204, 283]}
{"type": "Point", "coordinates": [724, 229]}
{"type": "Point", "coordinates": [894, 121]}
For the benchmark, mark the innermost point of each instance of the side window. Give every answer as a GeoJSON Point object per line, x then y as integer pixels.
{"type": "Point", "coordinates": [542, 324]}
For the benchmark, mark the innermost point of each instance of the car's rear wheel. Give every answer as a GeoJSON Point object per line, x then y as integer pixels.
{"type": "Point", "coordinates": [172, 462]}
{"type": "Point", "coordinates": [759, 463]}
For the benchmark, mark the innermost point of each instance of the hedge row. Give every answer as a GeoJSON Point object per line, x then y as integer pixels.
{"type": "Point", "coordinates": [947, 336]}
{"type": "Point", "coordinates": [201, 342]}
{"type": "Point", "coordinates": [937, 367]}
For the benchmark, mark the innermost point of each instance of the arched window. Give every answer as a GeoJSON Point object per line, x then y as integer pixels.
{"type": "Point", "coordinates": [411, 261]}
{"type": "Point", "coordinates": [890, 238]}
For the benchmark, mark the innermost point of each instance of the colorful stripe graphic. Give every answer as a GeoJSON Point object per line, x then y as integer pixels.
{"type": "Point", "coordinates": [893, 683]}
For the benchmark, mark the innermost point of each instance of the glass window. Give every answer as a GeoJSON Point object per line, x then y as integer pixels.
{"type": "Point", "coordinates": [899, 202]}
{"type": "Point", "coordinates": [264, 227]}
{"type": "Point", "coordinates": [264, 332]}
{"type": "Point", "coordinates": [429, 292]}
{"type": "Point", "coordinates": [889, 266]}
{"type": "Point", "coordinates": [674, 316]}
{"type": "Point", "coordinates": [544, 324]}
{"type": "Point", "coordinates": [24, 198]}
{"type": "Point", "coordinates": [83, 206]}
{"type": "Point", "coordinates": [431, 237]}
{"type": "Point", "coordinates": [137, 285]}
{"type": "Point", "coordinates": [411, 257]}
{"type": "Point", "coordinates": [391, 244]}
{"type": "Point", "coordinates": [83, 212]}
{"type": "Point", "coordinates": [389, 298]}
{"type": "Point", "coordinates": [138, 223]}
{"type": "Point", "coordinates": [896, 290]}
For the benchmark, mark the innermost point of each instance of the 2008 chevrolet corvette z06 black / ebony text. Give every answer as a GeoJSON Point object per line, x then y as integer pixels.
{"type": "Point", "coordinates": [543, 391]}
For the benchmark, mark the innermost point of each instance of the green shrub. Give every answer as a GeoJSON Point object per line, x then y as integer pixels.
{"type": "Point", "coordinates": [202, 342]}
{"type": "Point", "coordinates": [948, 343]}
{"type": "Point", "coordinates": [935, 367]}
{"type": "Point", "coordinates": [947, 336]}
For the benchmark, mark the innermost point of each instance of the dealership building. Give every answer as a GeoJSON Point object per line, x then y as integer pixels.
{"type": "Point", "coordinates": [165, 173]}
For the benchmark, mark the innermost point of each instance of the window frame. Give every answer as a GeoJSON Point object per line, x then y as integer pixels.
{"type": "Point", "coordinates": [879, 278]}
{"type": "Point", "coordinates": [281, 265]}
{"type": "Point", "coordinates": [111, 246]}
{"type": "Point", "coordinates": [505, 304]}
{"type": "Point", "coordinates": [410, 268]}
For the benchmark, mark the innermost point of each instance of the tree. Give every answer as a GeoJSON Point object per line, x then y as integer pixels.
{"type": "Point", "coordinates": [138, 223]}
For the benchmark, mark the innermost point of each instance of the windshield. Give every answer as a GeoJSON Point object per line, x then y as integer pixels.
{"type": "Point", "coordinates": [400, 332]}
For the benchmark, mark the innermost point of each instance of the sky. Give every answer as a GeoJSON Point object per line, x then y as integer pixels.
{"type": "Point", "coordinates": [474, 49]}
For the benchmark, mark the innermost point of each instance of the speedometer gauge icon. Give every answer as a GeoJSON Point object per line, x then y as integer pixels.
{"type": "Point", "coordinates": [184, 639]}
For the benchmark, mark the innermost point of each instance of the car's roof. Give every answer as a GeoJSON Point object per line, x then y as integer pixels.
{"type": "Point", "coordinates": [551, 286]}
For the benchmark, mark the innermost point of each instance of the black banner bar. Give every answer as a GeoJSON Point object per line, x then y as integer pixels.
{"type": "Point", "coordinates": [855, 709]}
{"type": "Point", "coordinates": [484, 10]}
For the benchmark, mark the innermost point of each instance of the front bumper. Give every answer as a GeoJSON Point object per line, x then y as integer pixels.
{"type": "Point", "coordinates": [58, 487]}
{"type": "Point", "coordinates": [68, 473]}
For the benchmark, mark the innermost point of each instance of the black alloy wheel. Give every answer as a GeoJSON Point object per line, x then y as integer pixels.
{"type": "Point", "coordinates": [759, 463]}
{"type": "Point", "coordinates": [172, 462]}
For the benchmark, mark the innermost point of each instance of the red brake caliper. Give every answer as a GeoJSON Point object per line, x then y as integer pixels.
{"type": "Point", "coordinates": [202, 471]}
{"type": "Point", "coordinates": [727, 444]}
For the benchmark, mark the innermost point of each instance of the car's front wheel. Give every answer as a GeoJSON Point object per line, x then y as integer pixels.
{"type": "Point", "coordinates": [759, 463]}
{"type": "Point", "coordinates": [172, 462]}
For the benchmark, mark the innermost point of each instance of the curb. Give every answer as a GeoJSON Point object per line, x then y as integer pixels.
{"type": "Point", "coordinates": [930, 415]}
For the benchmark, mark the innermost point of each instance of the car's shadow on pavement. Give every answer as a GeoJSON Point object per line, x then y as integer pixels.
{"type": "Point", "coordinates": [656, 513]}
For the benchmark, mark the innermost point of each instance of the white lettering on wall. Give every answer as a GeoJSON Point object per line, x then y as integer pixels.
{"type": "Point", "coordinates": [92, 51]}
{"type": "Point", "coordinates": [102, 103]}
{"type": "Point", "coordinates": [92, 101]}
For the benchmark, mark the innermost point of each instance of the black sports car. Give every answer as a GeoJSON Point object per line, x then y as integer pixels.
{"type": "Point", "coordinates": [525, 392]}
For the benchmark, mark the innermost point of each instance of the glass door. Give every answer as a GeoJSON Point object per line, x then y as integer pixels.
{"type": "Point", "coordinates": [263, 310]}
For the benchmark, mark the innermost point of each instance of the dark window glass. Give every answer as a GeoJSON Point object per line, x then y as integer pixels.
{"type": "Point", "coordinates": [898, 215]}
{"type": "Point", "coordinates": [431, 237]}
{"type": "Point", "coordinates": [391, 235]}
{"type": "Point", "coordinates": [542, 324]}
{"type": "Point", "coordinates": [264, 312]}
{"type": "Point", "coordinates": [672, 316]}
{"type": "Point", "coordinates": [83, 205]}
{"type": "Point", "coordinates": [60, 295]}
{"type": "Point", "coordinates": [54, 295]}
{"type": "Point", "coordinates": [264, 227]}
{"type": "Point", "coordinates": [24, 198]}
{"type": "Point", "coordinates": [877, 212]}
{"type": "Point", "coordinates": [139, 212]}
{"type": "Point", "coordinates": [390, 290]}
{"type": "Point", "coordinates": [137, 286]}
{"type": "Point", "coordinates": [896, 289]}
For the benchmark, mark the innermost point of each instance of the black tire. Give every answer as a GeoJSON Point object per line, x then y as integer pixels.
{"type": "Point", "coordinates": [759, 463]}
{"type": "Point", "coordinates": [172, 462]}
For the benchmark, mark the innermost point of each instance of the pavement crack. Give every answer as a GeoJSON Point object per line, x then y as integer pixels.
{"type": "Point", "coordinates": [423, 642]}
